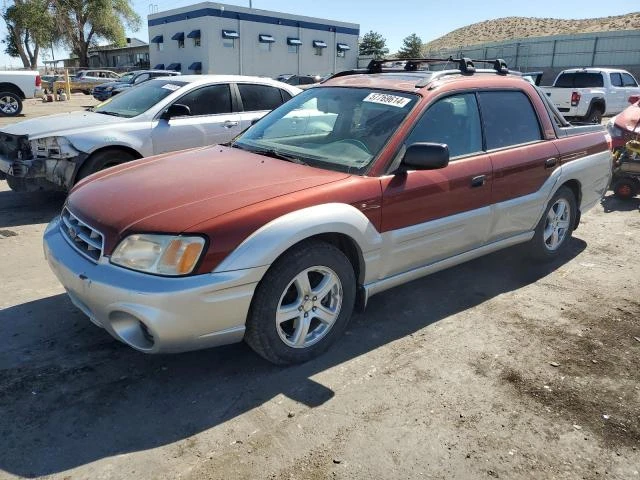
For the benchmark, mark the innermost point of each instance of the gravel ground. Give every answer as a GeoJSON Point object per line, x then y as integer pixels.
{"type": "Point", "coordinates": [498, 368]}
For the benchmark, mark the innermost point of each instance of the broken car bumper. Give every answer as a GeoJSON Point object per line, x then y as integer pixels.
{"type": "Point", "coordinates": [151, 313]}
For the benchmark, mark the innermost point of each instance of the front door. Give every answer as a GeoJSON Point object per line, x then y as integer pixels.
{"type": "Point", "coordinates": [431, 215]}
{"type": "Point", "coordinates": [211, 121]}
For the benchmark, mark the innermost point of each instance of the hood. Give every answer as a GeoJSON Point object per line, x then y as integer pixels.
{"type": "Point", "coordinates": [175, 191]}
{"type": "Point", "coordinates": [629, 119]}
{"type": "Point", "coordinates": [60, 124]}
{"type": "Point", "coordinates": [102, 86]}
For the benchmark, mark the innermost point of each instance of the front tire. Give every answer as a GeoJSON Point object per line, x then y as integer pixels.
{"type": "Point", "coordinates": [10, 104]}
{"type": "Point", "coordinates": [101, 160]}
{"type": "Point", "coordinates": [553, 232]}
{"type": "Point", "coordinates": [302, 305]}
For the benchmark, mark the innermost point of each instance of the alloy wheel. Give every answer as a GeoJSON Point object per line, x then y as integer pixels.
{"type": "Point", "coordinates": [8, 105]}
{"type": "Point", "coordinates": [557, 224]}
{"type": "Point", "coordinates": [309, 307]}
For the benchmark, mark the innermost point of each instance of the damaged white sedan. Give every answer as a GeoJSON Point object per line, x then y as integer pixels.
{"type": "Point", "coordinates": [159, 116]}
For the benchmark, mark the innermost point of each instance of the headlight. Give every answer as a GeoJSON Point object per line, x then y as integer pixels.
{"type": "Point", "coordinates": [614, 130]}
{"type": "Point", "coordinates": [160, 254]}
{"type": "Point", "coordinates": [53, 147]}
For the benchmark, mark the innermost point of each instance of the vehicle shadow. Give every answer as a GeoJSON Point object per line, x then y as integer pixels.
{"type": "Point", "coordinates": [26, 208]}
{"type": "Point", "coordinates": [71, 395]}
{"type": "Point", "coordinates": [611, 203]}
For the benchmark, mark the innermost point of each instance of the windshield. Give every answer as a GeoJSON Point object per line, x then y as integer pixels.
{"type": "Point", "coordinates": [126, 78]}
{"type": "Point", "coordinates": [134, 101]}
{"type": "Point", "coordinates": [330, 127]}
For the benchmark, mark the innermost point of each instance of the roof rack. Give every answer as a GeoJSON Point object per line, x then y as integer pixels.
{"type": "Point", "coordinates": [465, 65]}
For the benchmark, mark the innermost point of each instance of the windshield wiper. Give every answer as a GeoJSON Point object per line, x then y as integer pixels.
{"type": "Point", "coordinates": [114, 114]}
{"type": "Point", "coordinates": [273, 153]}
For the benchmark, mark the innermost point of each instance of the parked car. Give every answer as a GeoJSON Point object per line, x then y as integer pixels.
{"type": "Point", "coordinates": [158, 116]}
{"type": "Point", "coordinates": [588, 94]}
{"type": "Point", "coordinates": [107, 90]}
{"type": "Point", "coordinates": [84, 80]}
{"type": "Point", "coordinates": [298, 80]}
{"type": "Point", "coordinates": [283, 77]}
{"type": "Point", "coordinates": [624, 129]}
{"type": "Point", "coordinates": [350, 188]}
{"type": "Point", "coordinates": [16, 86]}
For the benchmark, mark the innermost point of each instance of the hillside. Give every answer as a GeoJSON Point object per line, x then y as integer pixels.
{"type": "Point", "coordinates": [519, 27]}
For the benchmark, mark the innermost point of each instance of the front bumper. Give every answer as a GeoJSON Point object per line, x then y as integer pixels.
{"type": "Point", "coordinates": [40, 173]}
{"type": "Point", "coordinates": [101, 95]}
{"type": "Point", "coordinates": [150, 313]}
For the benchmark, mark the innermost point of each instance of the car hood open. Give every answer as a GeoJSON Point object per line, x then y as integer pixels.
{"type": "Point", "coordinates": [173, 192]}
{"type": "Point", "coordinates": [629, 118]}
{"type": "Point", "coordinates": [60, 124]}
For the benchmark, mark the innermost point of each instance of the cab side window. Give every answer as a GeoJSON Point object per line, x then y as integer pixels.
{"type": "Point", "coordinates": [454, 121]}
{"type": "Point", "coordinates": [628, 80]}
{"type": "Point", "coordinates": [508, 118]}
{"type": "Point", "coordinates": [616, 79]}
{"type": "Point", "coordinates": [210, 100]}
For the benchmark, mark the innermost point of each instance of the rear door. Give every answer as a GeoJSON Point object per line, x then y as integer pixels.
{"type": "Point", "coordinates": [616, 99]}
{"type": "Point", "coordinates": [256, 100]}
{"type": "Point", "coordinates": [522, 160]}
{"type": "Point", "coordinates": [429, 215]}
{"type": "Point", "coordinates": [211, 121]}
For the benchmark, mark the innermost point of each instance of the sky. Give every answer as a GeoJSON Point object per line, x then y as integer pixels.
{"type": "Point", "coordinates": [394, 20]}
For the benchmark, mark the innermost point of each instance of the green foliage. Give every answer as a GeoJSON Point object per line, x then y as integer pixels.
{"type": "Point", "coordinates": [373, 43]}
{"type": "Point", "coordinates": [411, 47]}
{"type": "Point", "coordinates": [83, 23]}
{"type": "Point", "coordinates": [30, 25]}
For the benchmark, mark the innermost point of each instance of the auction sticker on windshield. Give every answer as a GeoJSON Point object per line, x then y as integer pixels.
{"type": "Point", "coordinates": [171, 86]}
{"type": "Point", "coordinates": [386, 99]}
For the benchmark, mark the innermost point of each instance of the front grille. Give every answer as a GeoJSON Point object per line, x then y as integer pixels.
{"type": "Point", "coordinates": [82, 237]}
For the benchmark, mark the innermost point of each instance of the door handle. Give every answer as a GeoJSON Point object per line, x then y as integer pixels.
{"type": "Point", "coordinates": [550, 162]}
{"type": "Point", "coordinates": [478, 181]}
{"type": "Point", "coordinates": [230, 123]}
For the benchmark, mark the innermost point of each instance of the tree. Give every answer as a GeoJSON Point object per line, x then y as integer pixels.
{"type": "Point", "coordinates": [83, 23]}
{"type": "Point", "coordinates": [411, 47]}
{"type": "Point", "coordinates": [373, 44]}
{"type": "Point", "coordinates": [30, 26]}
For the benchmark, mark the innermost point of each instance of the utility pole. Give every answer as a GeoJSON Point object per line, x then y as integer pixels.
{"type": "Point", "coordinates": [250, 4]}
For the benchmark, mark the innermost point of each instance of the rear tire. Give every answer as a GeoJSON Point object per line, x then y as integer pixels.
{"type": "Point", "coordinates": [10, 104]}
{"type": "Point", "coordinates": [102, 160]}
{"type": "Point", "coordinates": [302, 305]}
{"type": "Point", "coordinates": [594, 116]}
{"type": "Point", "coordinates": [553, 232]}
{"type": "Point", "coordinates": [625, 188]}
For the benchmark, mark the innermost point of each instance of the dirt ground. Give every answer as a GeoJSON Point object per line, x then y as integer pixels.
{"type": "Point", "coordinates": [498, 368]}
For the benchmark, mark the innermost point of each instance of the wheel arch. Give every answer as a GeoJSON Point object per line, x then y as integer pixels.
{"type": "Point", "coordinates": [13, 88]}
{"type": "Point", "coordinates": [114, 148]}
{"type": "Point", "coordinates": [599, 103]}
{"type": "Point", "coordinates": [341, 225]}
{"type": "Point", "coordinates": [576, 187]}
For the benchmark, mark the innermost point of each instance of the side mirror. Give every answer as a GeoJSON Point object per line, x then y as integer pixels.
{"type": "Point", "coordinates": [425, 156]}
{"type": "Point", "coordinates": [176, 110]}
{"type": "Point", "coordinates": [633, 99]}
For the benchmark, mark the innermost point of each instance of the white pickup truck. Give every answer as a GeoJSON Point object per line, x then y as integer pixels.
{"type": "Point", "coordinates": [15, 86]}
{"type": "Point", "coordinates": [588, 94]}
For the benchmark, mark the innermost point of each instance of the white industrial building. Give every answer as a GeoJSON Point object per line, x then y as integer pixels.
{"type": "Point", "coordinates": [216, 38]}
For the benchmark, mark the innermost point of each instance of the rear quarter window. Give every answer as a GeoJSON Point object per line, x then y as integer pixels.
{"type": "Point", "coordinates": [259, 97]}
{"type": "Point", "coordinates": [508, 118]}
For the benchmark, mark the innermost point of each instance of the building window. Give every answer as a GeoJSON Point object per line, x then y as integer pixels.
{"type": "Point", "coordinates": [341, 49]}
{"type": "Point", "coordinates": [265, 42]}
{"type": "Point", "coordinates": [229, 37]}
{"type": "Point", "coordinates": [196, 42]}
{"type": "Point", "coordinates": [319, 45]}
{"type": "Point", "coordinates": [160, 46]}
{"type": "Point", "coordinates": [180, 43]}
{"type": "Point", "coordinates": [293, 44]}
